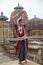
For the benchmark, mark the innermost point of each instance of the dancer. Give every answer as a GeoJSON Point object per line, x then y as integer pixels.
{"type": "Point", "coordinates": [22, 45]}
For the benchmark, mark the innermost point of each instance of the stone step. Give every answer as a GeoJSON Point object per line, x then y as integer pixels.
{"type": "Point", "coordinates": [10, 48]}
{"type": "Point", "coordinates": [11, 51]}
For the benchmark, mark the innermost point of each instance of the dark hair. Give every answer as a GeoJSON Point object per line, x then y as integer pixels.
{"type": "Point", "coordinates": [20, 20]}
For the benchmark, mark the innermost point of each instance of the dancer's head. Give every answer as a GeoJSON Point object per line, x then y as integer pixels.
{"type": "Point", "coordinates": [20, 22]}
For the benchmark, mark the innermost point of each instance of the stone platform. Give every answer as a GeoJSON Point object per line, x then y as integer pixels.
{"type": "Point", "coordinates": [5, 59]}
{"type": "Point", "coordinates": [16, 63]}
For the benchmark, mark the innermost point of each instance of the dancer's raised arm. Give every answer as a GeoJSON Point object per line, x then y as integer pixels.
{"type": "Point", "coordinates": [17, 15]}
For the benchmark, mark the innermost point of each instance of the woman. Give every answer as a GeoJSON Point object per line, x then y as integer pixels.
{"type": "Point", "coordinates": [22, 45]}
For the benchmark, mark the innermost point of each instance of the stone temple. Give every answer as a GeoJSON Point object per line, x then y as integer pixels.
{"type": "Point", "coordinates": [34, 27]}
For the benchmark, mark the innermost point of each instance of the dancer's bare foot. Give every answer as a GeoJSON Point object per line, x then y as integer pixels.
{"type": "Point", "coordinates": [25, 61]}
{"type": "Point", "coordinates": [19, 62]}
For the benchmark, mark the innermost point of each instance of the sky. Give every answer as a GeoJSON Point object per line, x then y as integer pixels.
{"type": "Point", "coordinates": [32, 7]}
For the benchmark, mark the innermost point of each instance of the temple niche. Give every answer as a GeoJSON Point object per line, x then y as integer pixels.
{"type": "Point", "coordinates": [24, 16]}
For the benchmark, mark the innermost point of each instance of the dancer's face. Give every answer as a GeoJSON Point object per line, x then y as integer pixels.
{"type": "Point", "coordinates": [21, 23]}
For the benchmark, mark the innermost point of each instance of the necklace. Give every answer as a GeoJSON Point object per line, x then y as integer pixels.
{"type": "Point", "coordinates": [20, 29]}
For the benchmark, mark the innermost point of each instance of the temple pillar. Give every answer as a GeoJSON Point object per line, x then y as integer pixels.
{"type": "Point", "coordinates": [39, 56]}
